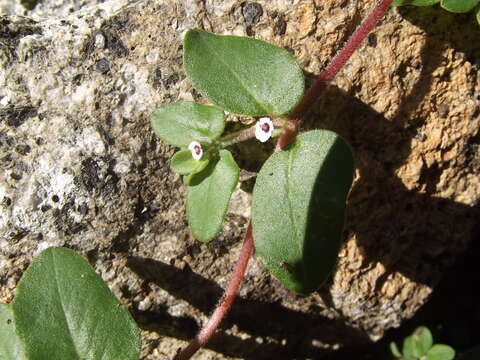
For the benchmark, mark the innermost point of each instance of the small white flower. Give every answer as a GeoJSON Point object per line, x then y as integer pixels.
{"type": "Point", "coordinates": [196, 149]}
{"type": "Point", "coordinates": [263, 129]}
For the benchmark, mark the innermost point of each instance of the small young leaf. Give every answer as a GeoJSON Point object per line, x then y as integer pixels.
{"type": "Point", "coordinates": [415, 2]}
{"type": "Point", "coordinates": [242, 75]}
{"type": "Point", "coordinates": [394, 350]}
{"type": "Point", "coordinates": [181, 123]}
{"type": "Point", "coordinates": [459, 6]}
{"type": "Point", "coordinates": [63, 310]}
{"type": "Point", "coordinates": [423, 341]}
{"type": "Point", "coordinates": [298, 209]}
{"type": "Point", "coordinates": [10, 345]}
{"type": "Point", "coordinates": [208, 194]}
{"type": "Point", "coordinates": [409, 351]}
{"type": "Point", "coordinates": [440, 352]}
{"type": "Point", "coordinates": [183, 163]}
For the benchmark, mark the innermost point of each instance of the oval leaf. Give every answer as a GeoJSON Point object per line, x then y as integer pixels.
{"type": "Point", "coordinates": [181, 123]}
{"type": "Point", "coordinates": [440, 352]}
{"type": "Point", "coordinates": [409, 348]}
{"type": "Point", "coordinates": [298, 209]}
{"type": "Point", "coordinates": [10, 345]}
{"type": "Point", "coordinates": [423, 340]}
{"type": "Point", "coordinates": [242, 75]}
{"type": "Point", "coordinates": [183, 163]}
{"type": "Point", "coordinates": [208, 194]}
{"type": "Point", "coordinates": [415, 2]}
{"type": "Point", "coordinates": [459, 6]}
{"type": "Point", "coordinates": [63, 310]}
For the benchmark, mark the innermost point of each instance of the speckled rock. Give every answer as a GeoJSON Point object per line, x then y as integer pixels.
{"type": "Point", "coordinates": [81, 168]}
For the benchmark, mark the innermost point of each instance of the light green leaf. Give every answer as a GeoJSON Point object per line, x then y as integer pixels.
{"type": "Point", "coordinates": [409, 348]}
{"type": "Point", "coordinates": [299, 208]}
{"type": "Point", "coordinates": [394, 350]}
{"type": "Point", "coordinates": [10, 345]}
{"type": "Point", "coordinates": [478, 14]}
{"type": "Point", "coordinates": [183, 163]}
{"type": "Point", "coordinates": [440, 352]}
{"type": "Point", "coordinates": [63, 310]}
{"type": "Point", "coordinates": [181, 123]}
{"type": "Point", "coordinates": [415, 2]}
{"type": "Point", "coordinates": [459, 6]}
{"type": "Point", "coordinates": [208, 194]}
{"type": "Point", "coordinates": [423, 341]}
{"type": "Point", "coordinates": [242, 75]}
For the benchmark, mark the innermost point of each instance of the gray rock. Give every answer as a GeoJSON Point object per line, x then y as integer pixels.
{"type": "Point", "coordinates": [81, 168]}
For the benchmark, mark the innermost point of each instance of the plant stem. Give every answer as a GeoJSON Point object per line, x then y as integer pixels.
{"type": "Point", "coordinates": [289, 132]}
{"type": "Point", "coordinates": [245, 134]}
{"type": "Point", "coordinates": [339, 60]}
{"type": "Point", "coordinates": [225, 302]}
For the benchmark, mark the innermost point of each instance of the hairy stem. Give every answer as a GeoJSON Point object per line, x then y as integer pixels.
{"type": "Point", "coordinates": [225, 302]}
{"type": "Point", "coordinates": [245, 134]}
{"type": "Point", "coordinates": [339, 60]}
{"type": "Point", "coordinates": [289, 132]}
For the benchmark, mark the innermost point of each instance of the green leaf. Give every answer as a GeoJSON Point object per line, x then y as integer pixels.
{"type": "Point", "coordinates": [181, 123]}
{"type": "Point", "coordinates": [208, 194]}
{"type": "Point", "coordinates": [298, 209]}
{"type": "Point", "coordinates": [183, 163]}
{"type": "Point", "coordinates": [394, 350]}
{"type": "Point", "coordinates": [440, 352]}
{"type": "Point", "coordinates": [415, 2]}
{"type": "Point", "coordinates": [409, 348]}
{"type": "Point", "coordinates": [63, 310]}
{"type": "Point", "coordinates": [459, 6]}
{"type": "Point", "coordinates": [478, 14]}
{"type": "Point", "coordinates": [242, 75]}
{"type": "Point", "coordinates": [10, 345]}
{"type": "Point", "coordinates": [423, 341]}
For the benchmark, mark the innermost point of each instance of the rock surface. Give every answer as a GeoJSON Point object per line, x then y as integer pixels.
{"type": "Point", "coordinates": [81, 168]}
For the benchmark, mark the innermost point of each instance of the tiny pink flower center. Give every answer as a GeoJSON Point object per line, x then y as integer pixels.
{"type": "Point", "coordinates": [197, 149]}
{"type": "Point", "coordinates": [265, 127]}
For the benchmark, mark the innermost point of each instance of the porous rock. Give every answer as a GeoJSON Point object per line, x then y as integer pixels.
{"type": "Point", "coordinates": [81, 168]}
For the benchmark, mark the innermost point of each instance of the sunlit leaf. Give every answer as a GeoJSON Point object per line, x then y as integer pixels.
{"type": "Point", "coordinates": [63, 310]}
{"type": "Point", "coordinates": [181, 123]}
{"type": "Point", "coordinates": [299, 209]}
{"type": "Point", "coordinates": [208, 194]}
{"type": "Point", "coordinates": [242, 75]}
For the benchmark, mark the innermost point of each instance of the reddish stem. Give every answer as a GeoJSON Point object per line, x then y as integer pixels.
{"type": "Point", "coordinates": [225, 302]}
{"type": "Point", "coordinates": [332, 69]}
{"type": "Point", "coordinates": [288, 135]}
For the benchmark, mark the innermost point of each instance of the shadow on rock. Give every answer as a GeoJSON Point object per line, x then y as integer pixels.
{"type": "Point", "coordinates": [290, 333]}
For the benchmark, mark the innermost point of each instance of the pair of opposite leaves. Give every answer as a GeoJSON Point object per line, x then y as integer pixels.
{"type": "Point", "coordinates": [300, 193]}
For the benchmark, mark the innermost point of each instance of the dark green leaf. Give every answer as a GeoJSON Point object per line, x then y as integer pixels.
{"type": "Point", "coordinates": [440, 352]}
{"type": "Point", "coordinates": [394, 350]}
{"type": "Point", "coordinates": [63, 310]}
{"type": "Point", "coordinates": [423, 341]}
{"type": "Point", "coordinates": [243, 75]}
{"type": "Point", "coordinates": [183, 163]}
{"type": "Point", "coordinates": [181, 123]}
{"type": "Point", "coordinates": [10, 345]}
{"type": "Point", "coordinates": [208, 194]}
{"type": "Point", "coordinates": [299, 209]}
{"type": "Point", "coordinates": [459, 6]}
{"type": "Point", "coordinates": [415, 2]}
